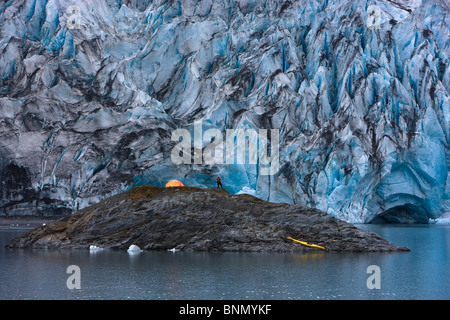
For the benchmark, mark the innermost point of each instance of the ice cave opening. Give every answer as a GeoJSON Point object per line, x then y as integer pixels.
{"type": "Point", "coordinates": [407, 213]}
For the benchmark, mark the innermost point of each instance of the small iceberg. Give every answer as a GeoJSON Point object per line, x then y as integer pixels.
{"type": "Point", "coordinates": [173, 250]}
{"type": "Point", "coordinates": [134, 249]}
{"type": "Point", "coordinates": [93, 248]}
{"type": "Point", "coordinates": [444, 219]}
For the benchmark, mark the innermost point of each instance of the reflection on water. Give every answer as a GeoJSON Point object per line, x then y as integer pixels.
{"type": "Point", "coordinates": [308, 257]}
{"type": "Point", "coordinates": [422, 273]}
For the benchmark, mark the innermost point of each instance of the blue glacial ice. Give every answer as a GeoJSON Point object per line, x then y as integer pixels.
{"type": "Point", "coordinates": [359, 91]}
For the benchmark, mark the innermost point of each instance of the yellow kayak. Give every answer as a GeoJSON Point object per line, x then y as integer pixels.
{"type": "Point", "coordinates": [306, 243]}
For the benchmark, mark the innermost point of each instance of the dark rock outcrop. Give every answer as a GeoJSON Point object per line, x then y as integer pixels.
{"type": "Point", "coordinates": [189, 218]}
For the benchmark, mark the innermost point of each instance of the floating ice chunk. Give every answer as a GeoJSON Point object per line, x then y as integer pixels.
{"type": "Point", "coordinates": [93, 248]}
{"type": "Point", "coordinates": [173, 250]}
{"type": "Point", "coordinates": [134, 249]}
{"type": "Point", "coordinates": [445, 219]}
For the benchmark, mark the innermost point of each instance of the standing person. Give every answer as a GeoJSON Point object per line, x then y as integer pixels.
{"type": "Point", "coordinates": [219, 184]}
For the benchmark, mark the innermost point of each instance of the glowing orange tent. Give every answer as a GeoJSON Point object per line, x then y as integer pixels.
{"type": "Point", "coordinates": [174, 183]}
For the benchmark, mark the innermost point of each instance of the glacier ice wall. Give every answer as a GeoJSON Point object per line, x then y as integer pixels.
{"type": "Point", "coordinates": [359, 89]}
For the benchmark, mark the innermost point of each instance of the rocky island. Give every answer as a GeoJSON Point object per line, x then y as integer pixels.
{"type": "Point", "coordinates": [199, 219]}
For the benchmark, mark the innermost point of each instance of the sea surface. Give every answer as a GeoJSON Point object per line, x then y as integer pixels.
{"type": "Point", "coordinates": [423, 273]}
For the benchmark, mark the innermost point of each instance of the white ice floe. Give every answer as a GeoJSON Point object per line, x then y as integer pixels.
{"type": "Point", "coordinates": [134, 249]}
{"type": "Point", "coordinates": [444, 219]}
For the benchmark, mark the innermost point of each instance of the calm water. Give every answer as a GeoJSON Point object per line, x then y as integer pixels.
{"type": "Point", "coordinates": [423, 273]}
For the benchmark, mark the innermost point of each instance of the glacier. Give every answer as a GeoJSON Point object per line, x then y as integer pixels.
{"type": "Point", "coordinates": [91, 92]}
